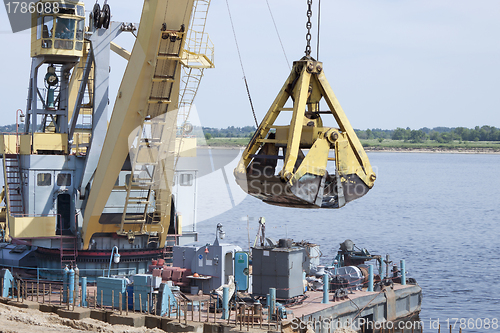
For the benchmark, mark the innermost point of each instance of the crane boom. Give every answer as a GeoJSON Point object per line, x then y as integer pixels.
{"type": "Point", "coordinates": [150, 88]}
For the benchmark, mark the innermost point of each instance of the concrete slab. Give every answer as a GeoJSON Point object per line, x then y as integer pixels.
{"type": "Point", "coordinates": [102, 315]}
{"type": "Point", "coordinates": [5, 300]}
{"type": "Point", "coordinates": [76, 314]}
{"type": "Point", "coordinates": [25, 305]}
{"type": "Point", "coordinates": [165, 322]}
{"type": "Point", "coordinates": [134, 320]}
{"type": "Point", "coordinates": [153, 321]}
{"type": "Point", "coordinates": [211, 328]}
{"type": "Point", "coordinates": [48, 308]}
{"type": "Point", "coordinates": [175, 326]}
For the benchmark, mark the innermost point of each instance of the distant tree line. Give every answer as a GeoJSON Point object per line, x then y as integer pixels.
{"type": "Point", "coordinates": [439, 134]}
{"type": "Point", "coordinates": [230, 132]}
{"type": "Point", "coordinates": [11, 128]}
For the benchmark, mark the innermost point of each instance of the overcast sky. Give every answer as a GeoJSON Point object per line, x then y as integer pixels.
{"type": "Point", "coordinates": [390, 63]}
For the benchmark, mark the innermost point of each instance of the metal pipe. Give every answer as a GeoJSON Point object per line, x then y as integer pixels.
{"type": "Point", "coordinates": [370, 278]}
{"type": "Point", "coordinates": [77, 283]}
{"type": "Point", "coordinates": [403, 272]}
{"type": "Point", "coordinates": [326, 291]}
{"type": "Point", "coordinates": [84, 291]}
{"type": "Point", "coordinates": [71, 284]}
{"type": "Point", "coordinates": [272, 303]}
{"type": "Point", "coordinates": [65, 282]}
{"type": "Point", "coordinates": [225, 302]}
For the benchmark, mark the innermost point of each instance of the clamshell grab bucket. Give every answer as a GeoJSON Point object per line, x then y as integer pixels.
{"type": "Point", "coordinates": [305, 147]}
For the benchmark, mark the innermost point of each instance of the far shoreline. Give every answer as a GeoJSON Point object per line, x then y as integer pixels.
{"type": "Point", "coordinates": [490, 151]}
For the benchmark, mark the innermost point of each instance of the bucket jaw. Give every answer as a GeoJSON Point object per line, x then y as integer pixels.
{"type": "Point", "coordinates": [320, 167]}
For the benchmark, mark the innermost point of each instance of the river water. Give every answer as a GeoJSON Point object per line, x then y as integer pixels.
{"type": "Point", "coordinates": [439, 212]}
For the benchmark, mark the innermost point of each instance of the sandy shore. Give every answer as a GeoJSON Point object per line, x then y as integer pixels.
{"type": "Point", "coordinates": [15, 320]}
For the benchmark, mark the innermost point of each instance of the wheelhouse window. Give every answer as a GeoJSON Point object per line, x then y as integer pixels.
{"type": "Point", "coordinates": [44, 179]}
{"type": "Point", "coordinates": [65, 28]}
{"type": "Point", "coordinates": [64, 179]}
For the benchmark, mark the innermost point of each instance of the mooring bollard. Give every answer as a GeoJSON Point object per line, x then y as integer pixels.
{"type": "Point", "coordinates": [370, 278]}
{"type": "Point", "coordinates": [403, 272]}
{"type": "Point", "coordinates": [326, 295]}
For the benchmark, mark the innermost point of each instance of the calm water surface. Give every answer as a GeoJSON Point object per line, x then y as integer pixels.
{"type": "Point", "coordinates": [439, 212]}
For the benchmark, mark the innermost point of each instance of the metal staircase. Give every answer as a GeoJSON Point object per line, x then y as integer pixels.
{"type": "Point", "coordinates": [141, 205]}
{"type": "Point", "coordinates": [197, 56]}
{"type": "Point", "coordinates": [84, 131]}
{"type": "Point", "coordinates": [14, 184]}
{"type": "Point", "coordinates": [68, 249]}
{"type": "Point", "coordinates": [169, 249]}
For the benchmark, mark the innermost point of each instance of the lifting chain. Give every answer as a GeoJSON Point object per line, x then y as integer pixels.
{"type": "Point", "coordinates": [308, 26]}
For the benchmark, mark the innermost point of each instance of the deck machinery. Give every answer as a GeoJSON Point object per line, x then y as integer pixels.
{"type": "Point", "coordinates": [78, 183]}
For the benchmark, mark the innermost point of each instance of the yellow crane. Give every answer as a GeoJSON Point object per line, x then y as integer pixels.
{"type": "Point", "coordinates": [148, 95]}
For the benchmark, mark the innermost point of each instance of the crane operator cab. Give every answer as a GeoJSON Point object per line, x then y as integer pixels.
{"type": "Point", "coordinates": [58, 28]}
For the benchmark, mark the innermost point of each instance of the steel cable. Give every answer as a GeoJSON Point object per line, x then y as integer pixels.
{"type": "Point", "coordinates": [241, 63]}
